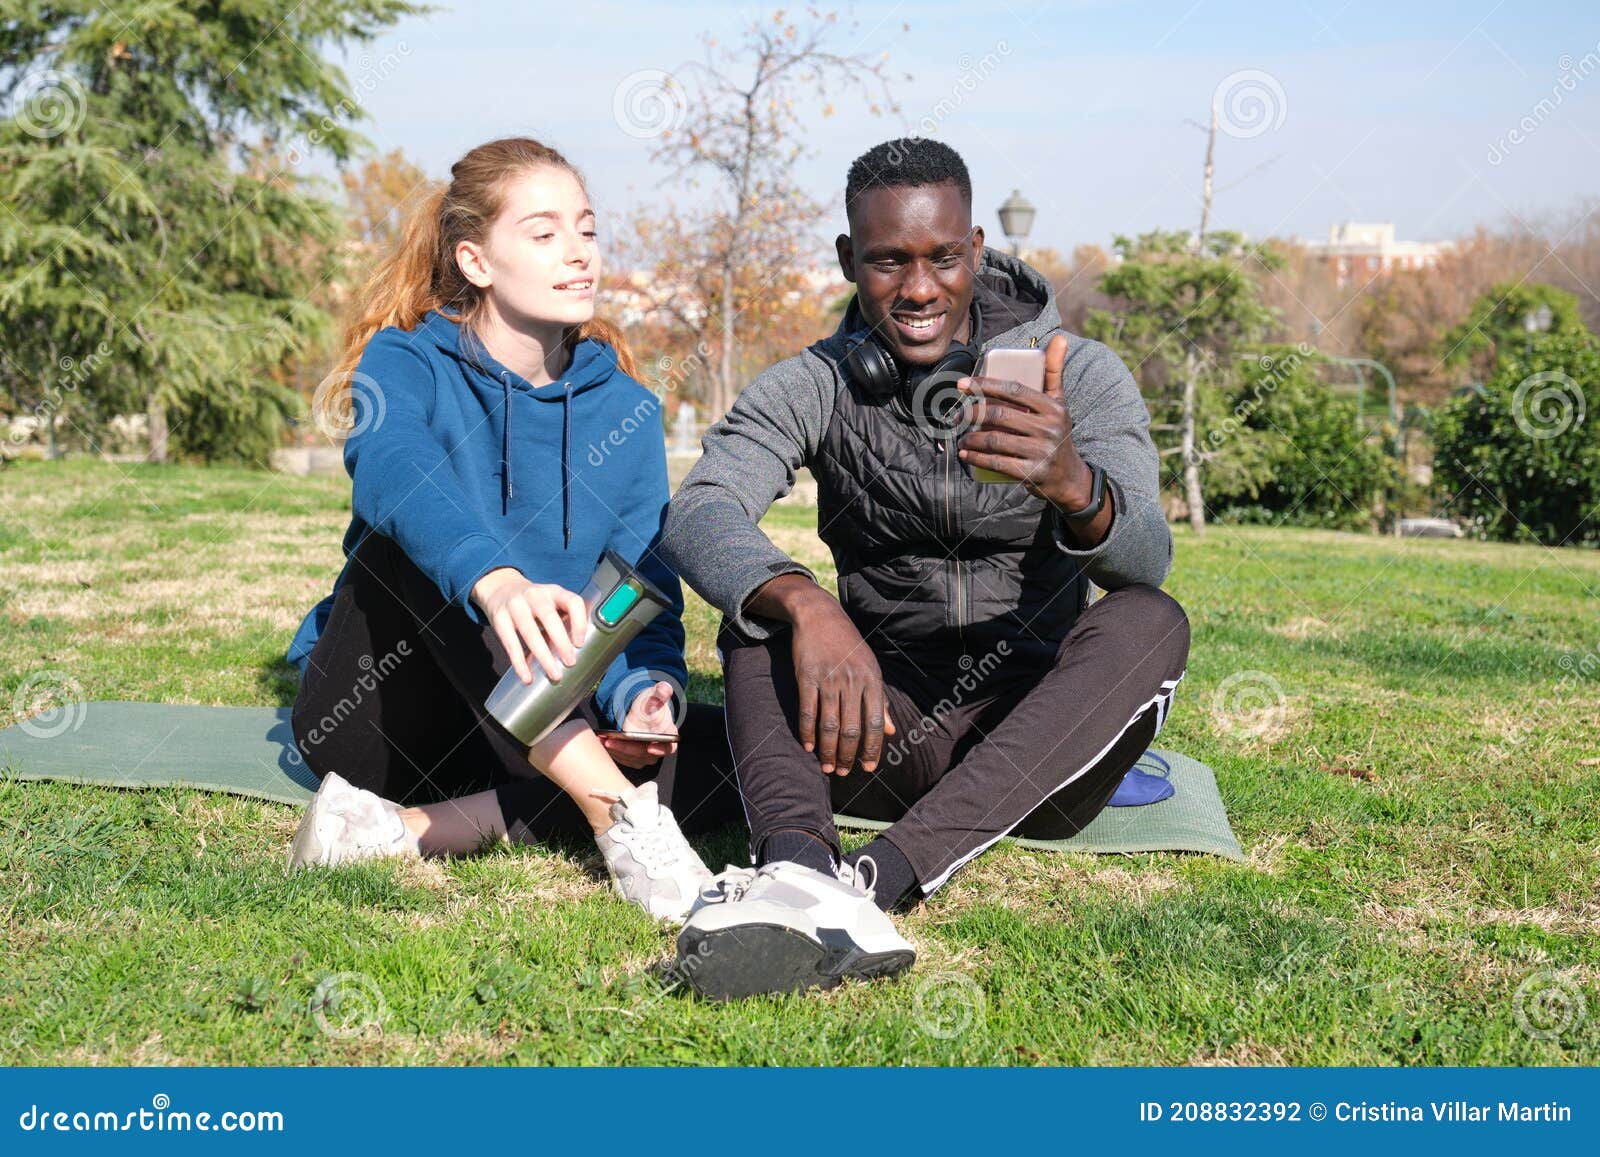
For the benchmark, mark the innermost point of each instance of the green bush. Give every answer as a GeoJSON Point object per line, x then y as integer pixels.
{"type": "Point", "coordinates": [1521, 458]}
{"type": "Point", "coordinates": [1288, 449]}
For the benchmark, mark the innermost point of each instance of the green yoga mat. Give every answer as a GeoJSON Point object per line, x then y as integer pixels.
{"type": "Point", "coordinates": [250, 751]}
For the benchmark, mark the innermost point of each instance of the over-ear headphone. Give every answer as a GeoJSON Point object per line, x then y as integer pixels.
{"type": "Point", "coordinates": [874, 367]}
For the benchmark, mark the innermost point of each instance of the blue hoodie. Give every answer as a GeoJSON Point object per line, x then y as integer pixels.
{"type": "Point", "coordinates": [469, 467]}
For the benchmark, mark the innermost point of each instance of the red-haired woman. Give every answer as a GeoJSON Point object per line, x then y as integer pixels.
{"type": "Point", "coordinates": [498, 444]}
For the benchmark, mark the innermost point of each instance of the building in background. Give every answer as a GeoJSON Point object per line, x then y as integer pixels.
{"type": "Point", "coordinates": [1366, 250]}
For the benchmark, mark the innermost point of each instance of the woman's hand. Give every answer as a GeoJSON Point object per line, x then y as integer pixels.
{"type": "Point", "coordinates": [650, 712]}
{"type": "Point", "coordinates": [552, 621]}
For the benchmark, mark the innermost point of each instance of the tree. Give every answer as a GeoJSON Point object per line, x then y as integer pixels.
{"type": "Point", "coordinates": [1521, 458]}
{"type": "Point", "coordinates": [735, 116]}
{"type": "Point", "coordinates": [153, 213]}
{"type": "Point", "coordinates": [1289, 449]}
{"type": "Point", "coordinates": [1500, 319]}
{"type": "Point", "coordinates": [1183, 309]}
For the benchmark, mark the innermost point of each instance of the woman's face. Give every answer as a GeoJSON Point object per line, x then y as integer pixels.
{"type": "Point", "coordinates": [540, 262]}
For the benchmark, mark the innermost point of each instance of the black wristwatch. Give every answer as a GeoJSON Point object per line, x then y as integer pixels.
{"type": "Point", "coordinates": [1078, 519]}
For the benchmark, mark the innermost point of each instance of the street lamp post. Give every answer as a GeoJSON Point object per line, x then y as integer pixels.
{"type": "Point", "coordinates": [1016, 220]}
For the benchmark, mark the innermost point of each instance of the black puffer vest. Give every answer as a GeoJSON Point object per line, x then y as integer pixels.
{"type": "Point", "coordinates": [933, 564]}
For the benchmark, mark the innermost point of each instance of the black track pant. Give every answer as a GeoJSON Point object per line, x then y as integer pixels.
{"type": "Point", "coordinates": [392, 699]}
{"type": "Point", "coordinates": [982, 750]}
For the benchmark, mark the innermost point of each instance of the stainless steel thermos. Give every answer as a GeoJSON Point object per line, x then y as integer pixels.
{"type": "Point", "coordinates": [621, 602]}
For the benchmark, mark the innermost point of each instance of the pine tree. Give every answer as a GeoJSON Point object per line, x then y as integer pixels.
{"type": "Point", "coordinates": [159, 240]}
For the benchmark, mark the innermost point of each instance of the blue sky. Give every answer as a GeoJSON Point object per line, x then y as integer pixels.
{"type": "Point", "coordinates": [1398, 111]}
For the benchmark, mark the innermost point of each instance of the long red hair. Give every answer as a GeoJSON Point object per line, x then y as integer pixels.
{"type": "Point", "coordinates": [421, 273]}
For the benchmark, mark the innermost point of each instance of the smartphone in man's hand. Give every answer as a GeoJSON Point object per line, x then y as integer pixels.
{"type": "Point", "coordinates": [1025, 367]}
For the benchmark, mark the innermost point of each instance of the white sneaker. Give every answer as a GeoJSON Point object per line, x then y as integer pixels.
{"type": "Point", "coordinates": [650, 862]}
{"type": "Point", "coordinates": [785, 927]}
{"type": "Point", "coordinates": [346, 823]}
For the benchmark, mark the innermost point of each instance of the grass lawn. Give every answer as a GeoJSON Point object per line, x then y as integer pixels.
{"type": "Point", "coordinates": [1420, 809]}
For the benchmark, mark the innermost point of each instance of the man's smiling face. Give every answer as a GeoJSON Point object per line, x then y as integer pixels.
{"type": "Point", "coordinates": [911, 252]}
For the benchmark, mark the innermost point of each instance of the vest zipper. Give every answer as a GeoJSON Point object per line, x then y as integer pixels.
{"type": "Point", "coordinates": [950, 529]}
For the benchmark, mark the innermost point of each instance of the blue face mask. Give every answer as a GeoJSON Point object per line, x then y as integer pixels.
{"type": "Point", "coordinates": [1146, 782]}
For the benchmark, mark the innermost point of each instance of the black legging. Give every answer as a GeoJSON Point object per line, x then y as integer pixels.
{"type": "Point", "coordinates": [392, 700]}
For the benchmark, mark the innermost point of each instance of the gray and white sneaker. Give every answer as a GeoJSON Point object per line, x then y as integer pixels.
{"type": "Point", "coordinates": [345, 823]}
{"type": "Point", "coordinates": [784, 927]}
{"type": "Point", "coordinates": [650, 862]}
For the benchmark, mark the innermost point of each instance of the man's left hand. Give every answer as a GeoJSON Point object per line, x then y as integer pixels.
{"type": "Point", "coordinates": [1026, 434]}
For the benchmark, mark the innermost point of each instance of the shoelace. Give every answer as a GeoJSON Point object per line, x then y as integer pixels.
{"type": "Point", "coordinates": [731, 884]}
{"type": "Point", "coordinates": [853, 876]}
{"type": "Point", "coordinates": [659, 845]}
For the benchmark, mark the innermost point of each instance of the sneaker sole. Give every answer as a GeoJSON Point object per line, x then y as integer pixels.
{"type": "Point", "coordinates": [750, 960]}
{"type": "Point", "coordinates": [772, 959]}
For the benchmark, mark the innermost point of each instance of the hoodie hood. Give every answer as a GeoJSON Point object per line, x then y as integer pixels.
{"type": "Point", "coordinates": [593, 364]}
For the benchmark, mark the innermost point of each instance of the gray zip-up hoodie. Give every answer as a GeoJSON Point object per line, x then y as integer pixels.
{"type": "Point", "coordinates": [712, 537]}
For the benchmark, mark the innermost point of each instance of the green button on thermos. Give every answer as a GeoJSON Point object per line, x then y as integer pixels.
{"type": "Point", "coordinates": [621, 602]}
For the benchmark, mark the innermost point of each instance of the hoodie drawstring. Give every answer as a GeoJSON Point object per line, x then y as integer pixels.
{"type": "Point", "coordinates": [566, 455]}
{"type": "Point", "coordinates": [505, 447]}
